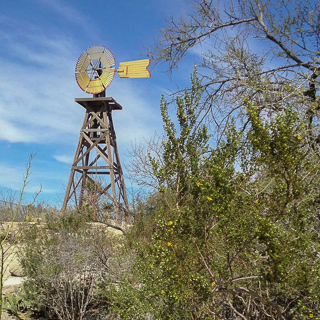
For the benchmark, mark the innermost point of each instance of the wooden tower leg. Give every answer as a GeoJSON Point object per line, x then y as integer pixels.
{"type": "Point", "coordinates": [96, 173]}
{"type": "Point", "coordinates": [113, 155]}
{"type": "Point", "coordinates": [73, 183]}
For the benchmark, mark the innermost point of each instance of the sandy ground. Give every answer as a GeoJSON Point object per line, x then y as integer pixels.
{"type": "Point", "coordinates": [13, 281]}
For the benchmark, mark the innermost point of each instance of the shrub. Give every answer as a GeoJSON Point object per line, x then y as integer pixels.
{"type": "Point", "coordinates": [65, 261]}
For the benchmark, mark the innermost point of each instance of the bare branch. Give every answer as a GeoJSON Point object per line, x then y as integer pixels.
{"type": "Point", "coordinates": [254, 295]}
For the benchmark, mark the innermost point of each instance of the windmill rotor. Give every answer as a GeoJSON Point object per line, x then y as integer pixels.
{"type": "Point", "coordinates": [95, 69]}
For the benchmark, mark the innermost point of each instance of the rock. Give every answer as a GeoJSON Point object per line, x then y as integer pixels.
{"type": "Point", "coordinates": [12, 284]}
{"type": "Point", "coordinates": [16, 270]}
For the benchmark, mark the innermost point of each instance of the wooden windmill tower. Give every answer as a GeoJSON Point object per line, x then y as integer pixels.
{"type": "Point", "coordinates": [96, 170]}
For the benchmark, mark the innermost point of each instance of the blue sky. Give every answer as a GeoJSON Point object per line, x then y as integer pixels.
{"type": "Point", "coordinates": [41, 41]}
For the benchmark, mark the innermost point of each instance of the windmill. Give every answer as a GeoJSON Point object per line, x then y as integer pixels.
{"type": "Point", "coordinates": [96, 170]}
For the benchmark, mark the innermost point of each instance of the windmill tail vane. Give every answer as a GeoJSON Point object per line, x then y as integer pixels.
{"type": "Point", "coordinates": [134, 69]}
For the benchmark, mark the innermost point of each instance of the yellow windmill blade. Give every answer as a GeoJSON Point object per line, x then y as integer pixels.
{"type": "Point", "coordinates": [134, 69]}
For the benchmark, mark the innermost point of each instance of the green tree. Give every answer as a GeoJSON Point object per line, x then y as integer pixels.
{"type": "Point", "coordinates": [234, 227]}
{"type": "Point", "coordinates": [233, 231]}
{"type": "Point", "coordinates": [184, 147]}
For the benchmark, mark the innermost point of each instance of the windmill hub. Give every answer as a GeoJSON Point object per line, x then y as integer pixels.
{"type": "Point", "coordinates": [95, 68]}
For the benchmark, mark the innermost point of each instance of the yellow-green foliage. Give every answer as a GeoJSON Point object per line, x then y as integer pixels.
{"type": "Point", "coordinates": [233, 231]}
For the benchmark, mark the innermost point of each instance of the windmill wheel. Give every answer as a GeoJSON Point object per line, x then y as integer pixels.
{"type": "Point", "coordinates": [95, 69]}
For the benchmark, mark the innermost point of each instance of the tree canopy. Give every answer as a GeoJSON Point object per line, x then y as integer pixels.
{"type": "Point", "coordinates": [264, 50]}
{"type": "Point", "coordinates": [233, 229]}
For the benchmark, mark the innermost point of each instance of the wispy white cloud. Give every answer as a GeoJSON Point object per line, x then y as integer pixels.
{"type": "Point", "coordinates": [13, 177]}
{"type": "Point", "coordinates": [12, 133]}
{"type": "Point", "coordinates": [140, 115]}
{"type": "Point", "coordinates": [37, 91]}
{"type": "Point", "coordinates": [64, 158]}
